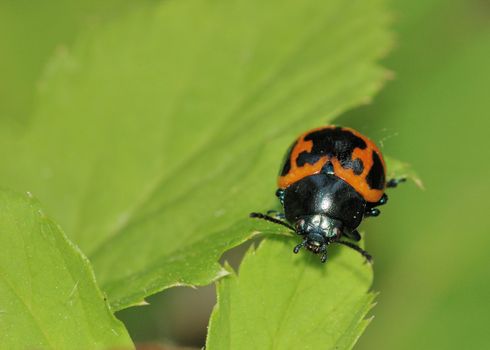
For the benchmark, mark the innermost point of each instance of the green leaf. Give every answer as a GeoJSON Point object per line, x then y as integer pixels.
{"type": "Point", "coordinates": [173, 121]}
{"type": "Point", "coordinates": [284, 301]}
{"type": "Point", "coordinates": [48, 295]}
{"type": "Point", "coordinates": [26, 48]}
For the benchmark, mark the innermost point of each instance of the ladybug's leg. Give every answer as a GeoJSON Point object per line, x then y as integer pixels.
{"type": "Point", "coordinates": [371, 209]}
{"type": "Point", "coordinates": [392, 183]}
{"type": "Point", "coordinates": [276, 214]}
{"type": "Point", "coordinates": [280, 194]}
{"type": "Point", "coordinates": [372, 212]}
{"type": "Point", "coordinates": [382, 201]}
{"type": "Point", "coordinates": [365, 254]}
{"type": "Point", "coordinates": [354, 235]}
{"type": "Point", "coordinates": [271, 219]}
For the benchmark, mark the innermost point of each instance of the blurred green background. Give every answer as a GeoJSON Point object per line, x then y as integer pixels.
{"type": "Point", "coordinates": [431, 246]}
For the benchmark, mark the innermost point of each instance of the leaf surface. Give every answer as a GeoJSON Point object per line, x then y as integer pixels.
{"type": "Point", "coordinates": [284, 301]}
{"type": "Point", "coordinates": [48, 295]}
{"type": "Point", "coordinates": [160, 131]}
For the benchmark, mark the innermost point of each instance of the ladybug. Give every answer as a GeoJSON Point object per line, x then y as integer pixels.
{"type": "Point", "coordinates": [331, 178]}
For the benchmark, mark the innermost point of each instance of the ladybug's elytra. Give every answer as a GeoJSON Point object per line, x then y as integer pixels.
{"type": "Point", "coordinates": [332, 177]}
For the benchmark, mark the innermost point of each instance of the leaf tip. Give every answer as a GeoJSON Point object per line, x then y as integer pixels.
{"type": "Point", "coordinates": [142, 303]}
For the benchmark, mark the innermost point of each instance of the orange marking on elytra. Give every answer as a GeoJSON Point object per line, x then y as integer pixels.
{"type": "Point", "coordinates": [358, 182]}
{"type": "Point", "coordinates": [297, 173]}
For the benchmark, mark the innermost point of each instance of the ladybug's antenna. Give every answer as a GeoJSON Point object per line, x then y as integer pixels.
{"type": "Point", "coordinates": [271, 219]}
{"type": "Point", "coordinates": [365, 254]}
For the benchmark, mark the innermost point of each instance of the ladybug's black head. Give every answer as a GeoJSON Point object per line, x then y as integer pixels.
{"type": "Point", "coordinates": [318, 232]}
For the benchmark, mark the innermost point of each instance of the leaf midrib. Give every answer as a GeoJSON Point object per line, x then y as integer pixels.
{"type": "Point", "coordinates": [210, 142]}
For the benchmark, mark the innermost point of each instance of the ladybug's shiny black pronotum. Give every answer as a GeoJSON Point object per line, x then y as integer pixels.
{"type": "Point", "coordinates": [332, 178]}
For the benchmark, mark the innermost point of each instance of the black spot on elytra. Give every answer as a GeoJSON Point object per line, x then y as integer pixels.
{"type": "Point", "coordinates": [287, 160]}
{"type": "Point", "coordinates": [358, 166]}
{"type": "Point", "coordinates": [306, 157]}
{"type": "Point", "coordinates": [333, 142]}
{"type": "Point", "coordinates": [376, 176]}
